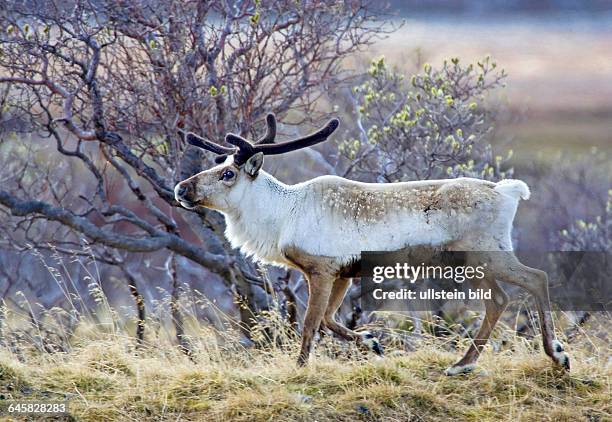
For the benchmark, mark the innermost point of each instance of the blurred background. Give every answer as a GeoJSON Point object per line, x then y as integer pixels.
{"type": "Point", "coordinates": [93, 94]}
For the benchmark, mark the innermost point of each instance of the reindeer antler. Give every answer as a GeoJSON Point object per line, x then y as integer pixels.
{"type": "Point", "coordinates": [268, 138]}
{"type": "Point", "coordinates": [247, 150]}
{"type": "Point", "coordinates": [200, 142]}
{"type": "Point", "coordinates": [270, 135]}
{"type": "Point", "coordinates": [244, 149]}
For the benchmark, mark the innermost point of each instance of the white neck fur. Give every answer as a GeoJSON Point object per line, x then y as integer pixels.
{"type": "Point", "coordinates": [255, 226]}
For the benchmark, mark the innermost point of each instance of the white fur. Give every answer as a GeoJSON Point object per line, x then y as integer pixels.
{"type": "Point", "coordinates": [368, 339]}
{"type": "Point", "coordinates": [513, 188]}
{"type": "Point", "coordinates": [560, 357]}
{"type": "Point", "coordinates": [266, 217]}
{"type": "Point", "coordinates": [456, 370]}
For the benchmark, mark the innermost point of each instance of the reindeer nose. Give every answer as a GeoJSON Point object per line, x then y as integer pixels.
{"type": "Point", "coordinates": [184, 193]}
{"type": "Point", "coordinates": [181, 190]}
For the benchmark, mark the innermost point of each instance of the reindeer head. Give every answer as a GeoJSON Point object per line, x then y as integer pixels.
{"type": "Point", "coordinates": [224, 185]}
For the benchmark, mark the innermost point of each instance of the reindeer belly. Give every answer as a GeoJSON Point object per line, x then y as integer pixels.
{"type": "Point", "coordinates": [349, 237]}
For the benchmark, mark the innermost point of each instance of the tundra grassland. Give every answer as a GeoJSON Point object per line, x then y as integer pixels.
{"type": "Point", "coordinates": [104, 376]}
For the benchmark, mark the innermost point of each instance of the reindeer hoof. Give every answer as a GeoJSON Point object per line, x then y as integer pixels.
{"type": "Point", "coordinates": [377, 348]}
{"type": "Point", "coordinates": [302, 361]}
{"type": "Point", "coordinates": [459, 369]}
{"type": "Point", "coordinates": [373, 344]}
{"type": "Point", "coordinates": [559, 356]}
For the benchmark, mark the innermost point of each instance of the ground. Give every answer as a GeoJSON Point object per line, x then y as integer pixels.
{"type": "Point", "coordinates": [104, 379]}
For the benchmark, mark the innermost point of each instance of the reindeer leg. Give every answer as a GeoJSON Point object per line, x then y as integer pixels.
{"type": "Point", "coordinates": [510, 270]}
{"type": "Point", "coordinates": [493, 310]}
{"type": "Point", "coordinates": [319, 290]}
{"type": "Point", "coordinates": [338, 292]}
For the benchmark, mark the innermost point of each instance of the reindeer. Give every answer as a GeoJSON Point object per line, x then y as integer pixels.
{"type": "Point", "coordinates": [321, 226]}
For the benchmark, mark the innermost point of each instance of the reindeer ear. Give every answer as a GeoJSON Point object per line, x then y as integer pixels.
{"type": "Point", "coordinates": [253, 164]}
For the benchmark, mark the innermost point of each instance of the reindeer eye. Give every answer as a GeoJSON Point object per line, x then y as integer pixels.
{"type": "Point", "coordinates": [227, 175]}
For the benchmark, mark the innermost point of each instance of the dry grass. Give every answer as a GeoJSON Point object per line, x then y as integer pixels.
{"type": "Point", "coordinates": [104, 379]}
